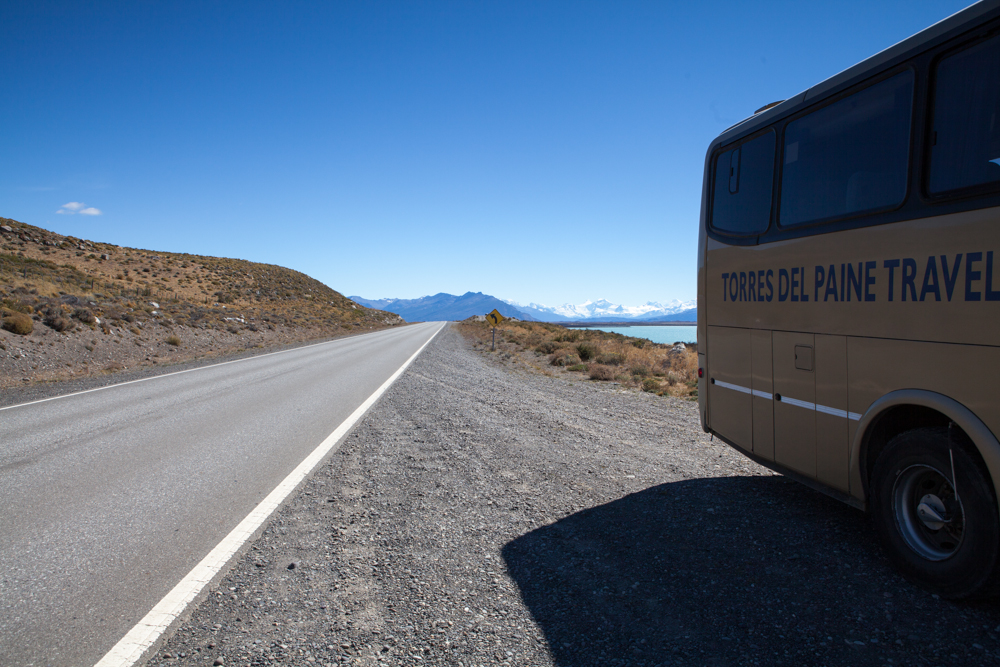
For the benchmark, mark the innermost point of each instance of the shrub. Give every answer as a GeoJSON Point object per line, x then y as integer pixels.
{"type": "Point", "coordinates": [564, 358]}
{"type": "Point", "coordinates": [649, 384]}
{"type": "Point", "coordinates": [642, 370]}
{"type": "Point", "coordinates": [577, 367]}
{"type": "Point", "coordinates": [586, 351]}
{"type": "Point", "coordinates": [548, 347]}
{"type": "Point", "coordinates": [611, 359]}
{"type": "Point", "coordinates": [18, 323]}
{"type": "Point", "coordinates": [84, 315]}
{"type": "Point", "coordinates": [601, 372]}
{"type": "Point", "coordinates": [173, 340]}
{"type": "Point", "coordinates": [55, 320]}
{"type": "Point", "coordinates": [639, 342]}
{"type": "Point", "coordinates": [16, 306]}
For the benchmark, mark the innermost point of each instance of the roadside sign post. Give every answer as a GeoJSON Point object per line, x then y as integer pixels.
{"type": "Point", "coordinates": [495, 318]}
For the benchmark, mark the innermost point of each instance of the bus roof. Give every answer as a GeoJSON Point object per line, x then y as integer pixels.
{"type": "Point", "coordinates": [966, 18]}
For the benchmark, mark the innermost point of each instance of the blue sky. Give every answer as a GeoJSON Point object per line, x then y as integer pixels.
{"type": "Point", "coordinates": [537, 151]}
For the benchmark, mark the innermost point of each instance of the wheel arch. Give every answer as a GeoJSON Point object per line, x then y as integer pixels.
{"type": "Point", "coordinates": [905, 409]}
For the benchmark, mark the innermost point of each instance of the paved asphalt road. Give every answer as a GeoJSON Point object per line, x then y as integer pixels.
{"type": "Point", "coordinates": [108, 498]}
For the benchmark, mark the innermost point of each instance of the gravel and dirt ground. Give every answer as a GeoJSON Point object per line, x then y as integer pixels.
{"type": "Point", "coordinates": [483, 514]}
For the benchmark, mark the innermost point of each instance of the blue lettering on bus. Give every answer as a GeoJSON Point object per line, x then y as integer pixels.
{"type": "Point", "coordinates": [909, 275]}
{"type": "Point", "coordinates": [831, 285]}
{"type": "Point", "coordinates": [869, 280]}
{"type": "Point", "coordinates": [950, 278]}
{"type": "Point", "coordinates": [930, 280]}
{"type": "Point", "coordinates": [991, 294]}
{"type": "Point", "coordinates": [853, 281]}
{"type": "Point", "coordinates": [892, 265]}
{"type": "Point", "coordinates": [972, 276]}
{"type": "Point", "coordinates": [858, 280]}
{"type": "Point", "coordinates": [782, 285]}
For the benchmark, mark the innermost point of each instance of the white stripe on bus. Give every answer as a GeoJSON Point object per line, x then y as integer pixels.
{"type": "Point", "coordinates": [853, 416]}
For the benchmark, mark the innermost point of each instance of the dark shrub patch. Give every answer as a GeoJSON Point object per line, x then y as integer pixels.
{"type": "Point", "coordinates": [548, 347]}
{"type": "Point", "coordinates": [642, 370]}
{"type": "Point", "coordinates": [611, 359]}
{"type": "Point", "coordinates": [587, 351]}
{"type": "Point", "coordinates": [564, 358]}
{"type": "Point", "coordinates": [601, 372]}
{"type": "Point", "coordinates": [84, 315]}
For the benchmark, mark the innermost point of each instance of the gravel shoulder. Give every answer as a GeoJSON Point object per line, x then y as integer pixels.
{"type": "Point", "coordinates": [484, 514]}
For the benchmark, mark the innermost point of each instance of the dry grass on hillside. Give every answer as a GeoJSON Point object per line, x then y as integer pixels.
{"type": "Point", "coordinates": [38, 266]}
{"type": "Point", "coordinates": [666, 370]}
{"type": "Point", "coordinates": [194, 305]}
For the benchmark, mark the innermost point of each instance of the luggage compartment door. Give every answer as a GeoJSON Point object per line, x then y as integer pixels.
{"type": "Point", "coordinates": [730, 411]}
{"type": "Point", "coordinates": [794, 362]}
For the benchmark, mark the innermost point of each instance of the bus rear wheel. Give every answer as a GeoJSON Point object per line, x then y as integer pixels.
{"type": "Point", "coordinates": [935, 513]}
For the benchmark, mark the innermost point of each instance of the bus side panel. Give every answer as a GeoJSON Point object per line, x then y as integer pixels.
{"type": "Point", "coordinates": [833, 448]}
{"type": "Point", "coordinates": [763, 408]}
{"type": "Point", "coordinates": [794, 424]}
{"type": "Point", "coordinates": [965, 373]}
{"type": "Point", "coordinates": [730, 413]}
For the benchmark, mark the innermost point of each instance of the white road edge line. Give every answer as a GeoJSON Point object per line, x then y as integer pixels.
{"type": "Point", "coordinates": [189, 370]}
{"type": "Point", "coordinates": [133, 646]}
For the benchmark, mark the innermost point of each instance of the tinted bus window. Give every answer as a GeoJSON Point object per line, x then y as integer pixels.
{"type": "Point", "coordinates": [850, 156]}
{"type": "Point", "coordinates": [744, 176]}
{"type": "Point", "coordinates": [965, 144]}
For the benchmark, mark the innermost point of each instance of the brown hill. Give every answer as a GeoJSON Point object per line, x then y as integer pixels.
{"type": "Point", "coordinates": [71, 306]}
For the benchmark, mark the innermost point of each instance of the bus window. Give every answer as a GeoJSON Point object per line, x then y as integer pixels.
{"type": "Point", "coordinates": [965, 141]}
{"type": "Point", "coordinates": [744, 176]}
{"type": "Point", "coordinates": [850, 156]}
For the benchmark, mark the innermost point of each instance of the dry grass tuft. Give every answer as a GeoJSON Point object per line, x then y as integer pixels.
{"type": "Point", "coordinates": [18, 323]}
{"type": "Point", "coordinates": [601, 372]}
{"type": "Point", "coordinates": [173, 340]}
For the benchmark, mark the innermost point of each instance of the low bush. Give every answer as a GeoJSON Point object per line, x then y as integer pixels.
{"type": "Point", "coordinates": [173, 340]}
{"type": "Point", "coordinates": [564, 358]}
{"type": "Point", "coordinates": [18, 323]}
{"type": "Point", "coordinates": [642, 370]}
{"type": "Point", "coordinates": [649, 384]}
{"type": "Point", "coordinates": [587, 351]}
{"type": "Point", "coordinates": [84, 315]}
{"type": "Point", "coordinates": [16, 306]}
{"type": "Point", "coordinates": [577, 367]}
{"type": "Point", "coordinates": [548, 347]}
{"type": "Point", "coordinates": [601, 372]}
{"type": "Point", "coordinates": [53, 318]}
{"type": "Point", "coordinates": [611, 359]}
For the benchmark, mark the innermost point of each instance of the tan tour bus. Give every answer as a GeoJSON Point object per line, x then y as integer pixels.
{"type": "Point", "coordinates": [849, 295]}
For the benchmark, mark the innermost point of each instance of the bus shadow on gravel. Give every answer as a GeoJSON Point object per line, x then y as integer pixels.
{"type": "Point", "coordinates": [733, 570]}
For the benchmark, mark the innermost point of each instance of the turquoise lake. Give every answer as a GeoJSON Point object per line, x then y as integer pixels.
{"type": "Point", "coordinates": [666, 335]}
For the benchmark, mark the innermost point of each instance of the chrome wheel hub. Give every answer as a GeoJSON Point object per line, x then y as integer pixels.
{"type": "Point", "coordinates": [928, 514]}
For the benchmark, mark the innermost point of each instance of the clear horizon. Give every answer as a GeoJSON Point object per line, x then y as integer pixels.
{"type": "Point", "coordinates": [548, 153]}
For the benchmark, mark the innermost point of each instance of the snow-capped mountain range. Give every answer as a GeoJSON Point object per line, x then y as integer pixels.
{"type": "Point", "coordinates": [604, 310]}
{"type": "Point", "coordinates": [451, 307]}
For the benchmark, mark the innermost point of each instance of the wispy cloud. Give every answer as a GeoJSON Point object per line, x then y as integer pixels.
{"type": "Point", "coordinates": [74, 207]}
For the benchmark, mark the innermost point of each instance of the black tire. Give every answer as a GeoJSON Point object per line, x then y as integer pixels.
{"type": "Point", "coordinates": [912, 487]}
